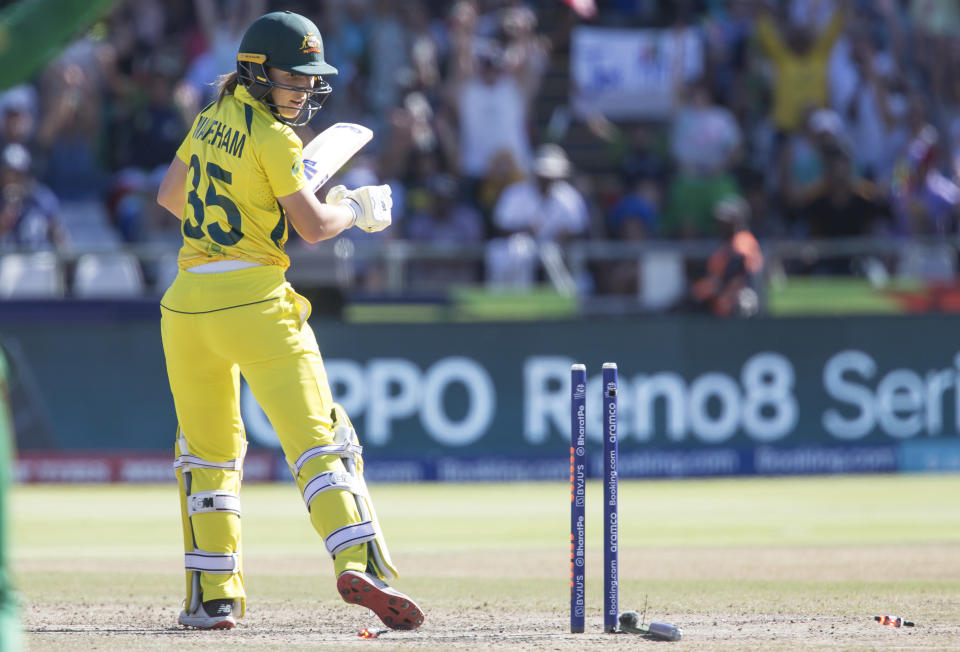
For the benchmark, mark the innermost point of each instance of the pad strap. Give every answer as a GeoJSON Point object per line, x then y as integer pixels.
{"type": "Point", "coordinates": [185, 461]}
{"type": "Point", "coordinates": [219, 563]}
{"type": "Point", "coordinates": [349, 535]}
{"type": "Point", "coordinates": [329, 449]}
{"type": "Point", "coordinates": [204, 502]}
{"type": "Point", "coordinates": [326, 481]}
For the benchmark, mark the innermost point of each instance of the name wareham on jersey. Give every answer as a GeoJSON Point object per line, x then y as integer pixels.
{"type": "Point", "coordinates": [220, 134]}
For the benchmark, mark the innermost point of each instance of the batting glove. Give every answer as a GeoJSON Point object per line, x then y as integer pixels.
{"type": "Point", "coordinates": [370, 204]}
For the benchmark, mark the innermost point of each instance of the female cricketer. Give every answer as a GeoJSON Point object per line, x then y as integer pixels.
{"type": "Point", "coordinates": [236, 183]}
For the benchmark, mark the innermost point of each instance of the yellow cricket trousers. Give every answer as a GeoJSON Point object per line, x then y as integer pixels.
{"type": "Point", "coordinates": [214, 328]}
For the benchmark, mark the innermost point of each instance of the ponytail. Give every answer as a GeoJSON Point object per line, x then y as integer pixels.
{"type": "Point", "coordinates": [226, 85]}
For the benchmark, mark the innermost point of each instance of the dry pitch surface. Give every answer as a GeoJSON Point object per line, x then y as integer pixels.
{"type": "Point", "coordinates": [763, 564]}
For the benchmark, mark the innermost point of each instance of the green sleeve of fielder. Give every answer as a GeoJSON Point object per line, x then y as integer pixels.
{"type": "Point", "coordinates": [9, 621]}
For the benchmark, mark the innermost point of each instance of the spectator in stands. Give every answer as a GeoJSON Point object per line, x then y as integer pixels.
{"type": "Point", "coordinates": [29, 212]}
{"type": "Point", "coordinates": [413, 174]}
{"type": "Point", "coordinates": [799, 55]}
{"type": "Point", "coordinates": [420, 126]}
{"type": "Point", "coordinates": [222, 29]}
{"type": "Point", "coordinates": [457, 84]}
{"type": "Point", "coordinates": [936, 24]}
{"type": "Point", "coordinates": [706, 142]}
{"type": "Point", "coordinates": [801, 166]}
{"type": "Point", "coordinates": [148, 137]}
{"type": "Point", "coordinates": [426, 45]}
{"type": "Point", "coordinates": [927, 207]}
{"type": "Point", "coordinates": [135, 214]}
{"type": "Point", "coordinates": [18, 110]}
{"type": "Point", "coordinates": [950, 116]}
{"type": "Point", "coordinates": [926, 202]}
{"type": "Point", "coordinates": [388, 54]}
{"type": "Point", "coordinates": [524, 51]}
{"type": "Point", "coordinates": [706, 138]}
{"type": "Point", "coordinates": [445, 220]}
{"type": "Point", "coordinates": [421, 136]}
{"type": "Point", "coordinates": [491, 94]}
{"type": "Point", "coordinates": [953, 154]}
{"type": "Point", "coordinates": [503, 173]}
{"type": "Point", "coordinates": [635, 217]}
{"type": "Point", "coordinates": [844, 207]}
{"type": "Point", "coordinates": [727, 288]}
{"type": "Point", "coordinates": [531, 213]}
{"type": "Point", "coordinates": [547, 206]}
{"type": "Point", "coordinates": [875, 111]}
{"type": "Point", "coordinates": [68, 135]}
{"type": "Point", "coordinates": [727, 32]}
{"type": "Point", "coordinates": [348, 24]}
{"type": "Point", "coordinates": [765, 221]}
{"type": "Point", "coordinates": [642, 152]}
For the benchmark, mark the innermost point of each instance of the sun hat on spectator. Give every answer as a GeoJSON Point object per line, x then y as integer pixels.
{"type": "Point", "coordinates": [16, 157]}
{"type": "Point", "coordinates": [732, 209]}
{"type": "Point", "coordinates": [19, 99]}
{"type": "Point", "coordinates": [551, 162]}
{"type": "Point", "coordinates": [826, 121]}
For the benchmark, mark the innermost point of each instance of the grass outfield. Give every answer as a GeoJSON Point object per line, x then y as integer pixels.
{"type": "Point", "coordinates": [740, 564]}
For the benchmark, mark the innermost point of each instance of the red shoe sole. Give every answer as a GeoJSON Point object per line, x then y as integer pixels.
{"type": "Point", "coordinates": [396, 610]}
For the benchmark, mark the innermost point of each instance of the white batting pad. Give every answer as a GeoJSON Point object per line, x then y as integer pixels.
{"type": "Point", "coordinates": [349, 535]}
{"type": "Point", "coordinates": [326, 481]}
{"type": "Point", "coordinates": [204, 502]}
{"type": "Point", "coordinates": [212, 562]}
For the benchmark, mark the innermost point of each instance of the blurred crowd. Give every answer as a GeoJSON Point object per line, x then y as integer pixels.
{"type": "Point", "coordinates": [791, 119]}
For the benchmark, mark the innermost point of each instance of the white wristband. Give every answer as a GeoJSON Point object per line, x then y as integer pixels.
{"type": "Point", "coordinates": [355, 207]}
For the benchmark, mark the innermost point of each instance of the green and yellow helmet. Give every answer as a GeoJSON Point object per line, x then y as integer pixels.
{"type": "Point", "coordinates": [290, 42]}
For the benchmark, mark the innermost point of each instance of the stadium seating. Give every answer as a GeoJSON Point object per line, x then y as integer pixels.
{"type": "Point", "coordinates": [662, 279]}
{"type": "Point", "coordinates": [112, 275]}
{"type": "Point", "coordinates": [87, 224]}
{"type": "Point", "coordinates": [30, 276]}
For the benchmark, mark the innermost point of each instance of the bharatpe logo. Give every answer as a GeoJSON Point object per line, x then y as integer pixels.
{"type": "Point", "coordinates": [580, 546]}
{"type": "Point", "coordinates": [581, 440]}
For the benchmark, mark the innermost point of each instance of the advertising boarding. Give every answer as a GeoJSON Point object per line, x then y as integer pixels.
{"type": "Point", "coordinates": [460, 402]}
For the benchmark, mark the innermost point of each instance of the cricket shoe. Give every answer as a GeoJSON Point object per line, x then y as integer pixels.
{"type": "Point", "coordinates": [396, 610]}
{"type": "Point", "coordinates": [212, 614]}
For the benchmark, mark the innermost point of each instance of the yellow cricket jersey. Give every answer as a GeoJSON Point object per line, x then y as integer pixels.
{"type": "Point", "coordinates": [240, 159]}
{"type": "Point", "coordinates": [800, 80]}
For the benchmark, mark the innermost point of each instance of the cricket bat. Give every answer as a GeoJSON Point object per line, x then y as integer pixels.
{"type": "Point", "coordinates": [330, 150]}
